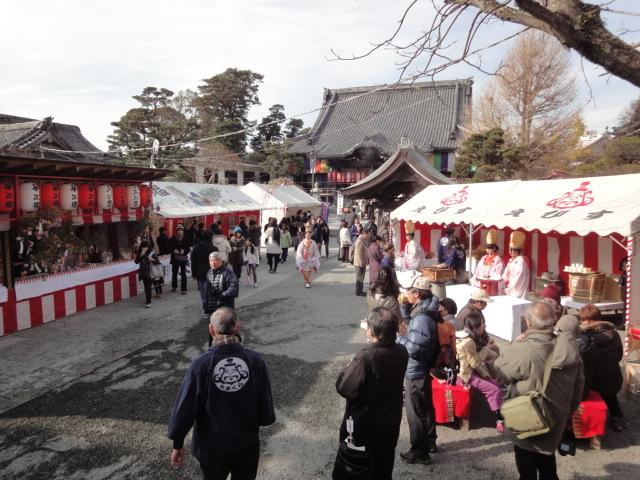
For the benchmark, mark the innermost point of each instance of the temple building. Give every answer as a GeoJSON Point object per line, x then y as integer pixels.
{"type": "Point", "coordinates": [358, 129]}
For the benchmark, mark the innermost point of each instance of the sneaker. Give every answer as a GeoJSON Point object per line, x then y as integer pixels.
{"type": "Point", "coordinates": [500, 426]}
{"type": "Point", "coordinates": [416, 457]}
{"type": "Point", "coordinates": [255, 285]}
{"type": "Point", "coordinates": [148, 305]}
{"type": "Point", "coordinates": [184, 292]}
{"type": "Point", "coordinates": [307, 285]}
{"type": "Point", "coordinates": [433, 448]}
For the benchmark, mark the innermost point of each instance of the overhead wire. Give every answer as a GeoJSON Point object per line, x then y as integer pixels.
{"type": "Point", "coordinates": [248, 129]}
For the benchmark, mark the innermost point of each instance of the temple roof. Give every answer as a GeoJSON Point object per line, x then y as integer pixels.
{"type": "Point", "coordinates": [406, 166]}
{"type": "Point", "coordinates": [428, 114]}
{"type": "Point", "coordinates": [29, 137]}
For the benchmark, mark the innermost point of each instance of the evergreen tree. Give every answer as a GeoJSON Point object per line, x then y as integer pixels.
{"type": "Point", "coordinates": [155, 119]}
{"type": "Point", "coordinates": [485, 157]}
{"type": "Point", "coordinates": [224, 103]}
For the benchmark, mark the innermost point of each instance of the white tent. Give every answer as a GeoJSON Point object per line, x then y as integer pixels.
{"type": "Point", "coordinates": [280, 201]}
{"type": "Point", "coordinates": [557, 214]}
{"type": "Point", "coordinates": [179, 199]}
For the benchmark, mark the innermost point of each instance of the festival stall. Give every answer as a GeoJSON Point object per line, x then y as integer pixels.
{"type": "Point", "coordinates": [587, 225]}
{"type": "Point", "coordinates": [52, 224]}
{"type": "Point", "coordinates": [281, 201]}
{"type": "Point", "coordinates": [178, 202]}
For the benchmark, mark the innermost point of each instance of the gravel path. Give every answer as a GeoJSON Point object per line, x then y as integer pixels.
{"type": "Point", "coordinates": [105, 418]}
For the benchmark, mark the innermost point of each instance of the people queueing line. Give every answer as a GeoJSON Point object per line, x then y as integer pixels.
{"type": "Point", "coordinates": [407, 334]}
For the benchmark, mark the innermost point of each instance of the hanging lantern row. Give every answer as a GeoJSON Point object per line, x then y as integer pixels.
{"type": "Point", "coordinates": [70, 196]}
{"type": "Point", "coordinates": [347, 176]}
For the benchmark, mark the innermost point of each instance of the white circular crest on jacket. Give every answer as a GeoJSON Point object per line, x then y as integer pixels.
{"type": "Point", "coordinates": [230, 374]}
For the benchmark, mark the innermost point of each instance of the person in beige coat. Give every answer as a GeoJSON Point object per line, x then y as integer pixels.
{"type": "Point", "coordinates": [361, 260]}
{"type": "Point", "coordinates": [522, 368]}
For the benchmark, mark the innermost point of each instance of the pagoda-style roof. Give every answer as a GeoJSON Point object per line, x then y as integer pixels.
{"type": "Point", "coordinates": [405, 173]}
{"type": "Point", "coordinates": [44, 147]}
{"type": "Point", "coordinates": [428, 114]}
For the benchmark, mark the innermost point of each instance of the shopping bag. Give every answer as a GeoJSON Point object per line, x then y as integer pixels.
{"type": "Point", "coordinates": [157, 271]}
{"type": "Point", "coordinates": [450, 401]}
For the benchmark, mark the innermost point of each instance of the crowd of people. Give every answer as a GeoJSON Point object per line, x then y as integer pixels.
{"type": "Point", "coordinates": [413, 337]}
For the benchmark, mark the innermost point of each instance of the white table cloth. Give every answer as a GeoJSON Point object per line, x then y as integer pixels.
{"type": "Point", "coordinates": [503, 316]}
{"type": "Point", "coordinates": [605, 305]}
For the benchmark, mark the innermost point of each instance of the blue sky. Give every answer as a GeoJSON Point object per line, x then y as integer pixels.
{"type": "Point", "coordinates": [81, 61]}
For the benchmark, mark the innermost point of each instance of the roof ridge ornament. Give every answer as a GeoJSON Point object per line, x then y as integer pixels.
{"type": "Point", "coordinates": [405, 142]}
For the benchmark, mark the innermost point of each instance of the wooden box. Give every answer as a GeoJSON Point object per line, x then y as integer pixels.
{"type": "Point", "coordinates": [492, 287]}
{"type": "Point", "coordinates": [586, 287]}
{"type": "Point", "coordinates": [435, 275]}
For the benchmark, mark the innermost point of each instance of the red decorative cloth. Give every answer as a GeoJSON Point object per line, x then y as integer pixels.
{"type": "Point", "coordinates": [590, 418]}
{"type": "Point", "coordinates": [450, 401]}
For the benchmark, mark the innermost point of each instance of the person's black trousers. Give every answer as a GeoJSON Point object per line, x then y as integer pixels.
{"type": "Point", "coordinates": [273, 259]}
{"type": "Point", "coordinates": [344, 254]}
{"type": "Point", "coordinates": [183, 276]}
{"type": "Point", "coordinates": [360, 271]}
{"type": "Point", "coordinates": [382, 464]}
{"type": "Point", "coordinates": [237, 269]}
{"type": "Point", "coordinates": [530, 464]}
{"type": "Point", "coordinates": [147, 289]}
{"type": "Point", "coordinates": [244, 469]}
{"type": "Point", "coordinates": [285, 254]}
{"type": "Point", "coordinates": [613, 405]}
{"type": "Point", "coordinates": [420, 414]}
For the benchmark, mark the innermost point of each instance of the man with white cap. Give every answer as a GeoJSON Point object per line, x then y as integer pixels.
{"type": "Point", "coordinates": [478, 302]}
{"type": "Point", "coordinates": [516, 276]}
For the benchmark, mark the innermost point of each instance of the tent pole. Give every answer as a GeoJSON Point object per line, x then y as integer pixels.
{"type": "Point", "coordinates": [615, 240]}
{"type": "Point", "coordinates": [627, 312]}
{"type": "Point", "coordinates": [470, 250]}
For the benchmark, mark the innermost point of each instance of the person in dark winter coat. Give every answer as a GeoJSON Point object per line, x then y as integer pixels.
{"type": "Point", "coordinates": [323, 235]}
{"type": "Point", "coordinates": [221, 287]}
{"type": "Point", "coordinates": [601, 350]}
{"type": "Point", "coordinates": [236, 256]}
{"type": "Point", "coordinates": [180, 248]}
{"type": "Point", "coordinates": [255, 233]}
{"type": "Point", "coordinates": [163, 242]}
{"type": "Point", "coordinates": [200, 262]}
{"type": "Point", "coordinates": [372, 384]}
{"type": "Point", "coordinates": [145, 257]}
{"type": "Point", "coordinates": [421, 340]}
{"type": "Point", "coordinates": [226, 397]}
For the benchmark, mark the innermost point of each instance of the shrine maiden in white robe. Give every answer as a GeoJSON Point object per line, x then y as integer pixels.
{"type": "Point", "coordinates": [488, 269]}
{"type": "Point", "coordinates": [413, 256]}
{"type": "Point", "coordinates": [516, 277]}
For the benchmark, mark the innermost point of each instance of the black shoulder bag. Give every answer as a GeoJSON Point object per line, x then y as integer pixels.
{"type": "Point", "coordinates": [352, 462]}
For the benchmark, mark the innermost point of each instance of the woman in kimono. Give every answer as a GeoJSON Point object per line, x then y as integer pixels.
{"type": "Point", "coordinates": [490, 265]}
{"type": "Point", "coordinates": [516, 276]}
{"type": "Point", "coordinates": [308, 258]}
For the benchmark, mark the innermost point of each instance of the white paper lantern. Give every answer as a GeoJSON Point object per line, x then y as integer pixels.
{"type": "Point", "coordinates": [68, 196]}
{"type": "Point", "coordinates": [105, 197]}
{"type": "Point", "coordinates": [29, 196]}
{"type": "Point", "coordinates": [133, 194]}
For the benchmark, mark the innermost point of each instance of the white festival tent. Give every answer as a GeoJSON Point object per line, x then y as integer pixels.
{"type": "Point", "coordinates": [280, 201]}
{"type": "Point", "coordinates": [578, 220]}
{"type": "Point", "coordinates": [181, 199]}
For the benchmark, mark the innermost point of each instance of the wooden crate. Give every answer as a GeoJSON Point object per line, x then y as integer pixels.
{"type": "Point", "coordinates": [586, 287]}
{"type": "Point", "coordinates": [441, 275]}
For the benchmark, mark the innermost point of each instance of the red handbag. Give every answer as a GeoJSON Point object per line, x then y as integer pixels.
{"type": "Point", "coordinates": [450, 401]}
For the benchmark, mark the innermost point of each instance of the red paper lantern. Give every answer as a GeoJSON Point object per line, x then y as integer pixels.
{"type": "Point", "coordinates": [146, 196]}
{"type": "Point", "coordinates": [49, 195]}
{"type": "Point", "coordinates": [7, 196]}
{"type": "Point", "coordinates": [86, 196]}
{"type": "Point", "coordinates": [120, 197]}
